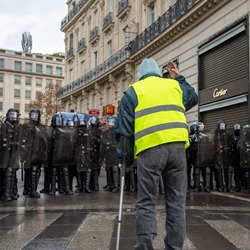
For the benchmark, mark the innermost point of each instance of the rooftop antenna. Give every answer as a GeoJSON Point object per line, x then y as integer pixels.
{"type": "Point", "coordinates": [26, 42]}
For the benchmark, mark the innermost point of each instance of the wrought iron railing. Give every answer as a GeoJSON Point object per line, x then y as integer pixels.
{"type": "Point", "coordinates": [73, 12]}
{"type": "Point", "coordinates": [123, 4]}
{"type": "Point", "coordinates": [107, 20]}
{"type": "Point", "coordinates": [174, 13]}
{"type": "Point", "coordinates": [94, 33]}
{"type": "Point", "coordinates": [70, 53]}
{"type": "Point", "coordinates": [81, 44]}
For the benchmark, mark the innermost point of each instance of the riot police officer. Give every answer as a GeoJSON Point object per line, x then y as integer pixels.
{"type": "Point", "coordinates": [94, 134]}
{"type": "Point", "coordinates": [108, 154]}
{"type": "Point", "coordinates": [9, 155]}
{"type": "Point", "coordinates": [34, 151]}
{"type": "Point", "coordinates": [83, 154]}
{"type": "Point", "coordinates": [222, 165]}
{"type": "Point", "coordinates": [235, 150]}
{"type": "Point", "coordinates": [192, 162]}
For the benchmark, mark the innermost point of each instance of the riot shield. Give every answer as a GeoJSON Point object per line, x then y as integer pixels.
{"type": "Point", "coordinates": [222, 149]}
{"type": "Point", "coordinates": [108, 146]}
{"type": "Point", "coordinates": [64, 146]}
{"type": "Point", "coordinates": [205, 150]}
{"type": "Point", "coordinates": [10, 145]}
{"type": "Point", "coordinates": [245, 147]}
{"type": "Point", "coordinates": [82, 149]}
{"type": "Point", "coordinates": [94, 145]}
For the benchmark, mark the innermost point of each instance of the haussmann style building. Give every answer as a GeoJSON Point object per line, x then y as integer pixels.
{"type": "Point", "coordinates": [105, 41]}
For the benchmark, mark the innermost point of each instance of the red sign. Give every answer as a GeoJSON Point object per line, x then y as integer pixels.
{"type": "Point", "coordinates": [94, 112]}
{"type": "Point", "coordinates": [110, 110]}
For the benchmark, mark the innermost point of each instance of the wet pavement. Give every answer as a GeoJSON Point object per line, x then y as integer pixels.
{"type": "Point", "coordinates": [89, 221]}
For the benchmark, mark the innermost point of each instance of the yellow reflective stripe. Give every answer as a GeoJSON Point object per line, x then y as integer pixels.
{"type": "Point", "coordinates": [159, 108]}
{"type": "Point", "coordinates": [160, 127]}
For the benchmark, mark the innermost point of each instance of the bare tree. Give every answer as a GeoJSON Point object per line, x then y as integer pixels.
{"type": "Point", "coordinates": [47, 103]}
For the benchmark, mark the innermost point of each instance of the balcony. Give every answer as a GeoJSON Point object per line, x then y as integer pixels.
{"type": "Point", "coordinates": [70, 54]}
{"type": "Point", "coordinates": [108, 23]}
{"type": "Point", "coordinates": [73, 12]}
{"type": "Point", "coordinates": [94, 35]}
{"type": "Point", "coordinates": [81, 47]}
{"type": "Point", "coordinates": [123, 9]}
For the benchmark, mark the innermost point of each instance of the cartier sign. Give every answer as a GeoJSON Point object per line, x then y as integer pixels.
{"type": "Point", "coordinates": [219, 92]}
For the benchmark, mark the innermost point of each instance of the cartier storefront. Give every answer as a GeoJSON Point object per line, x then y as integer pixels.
{"type": "Point", "coordinates": [224, 77]}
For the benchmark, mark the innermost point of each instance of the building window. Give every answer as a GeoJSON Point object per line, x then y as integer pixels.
{"type": "Point", "coordinates": [1, 92]}
{"type": "Point", "coordinates": [1, 63]}
{"type": "Point", "coordinates": [17, 93]}
{"type": "Point", "coordinates": [71, 75]}
{"type": "Point", "coordinates": [109, 48]}
{"type": "Point", "coordinates": [96, 18]}
{"type": "Point", "coordinates": [17, 106]}
{"type": "Point", "coordinates": [18, 65]}
{"type": "Point", "coordinates": [27, 109]}
{"type": "Point", "coordinates": [83, 105]}
{"type": "Point", "coordinates": [94, 59]}
{"type": "Point", "coordinates": [48, 81]}
{"type": "Point", "coordinates": [82, 68]}
{"type": "Point", "coordinates": [28, 67]}
{"type": "Point", "coordinates": [108, 96]}
{"type": "Point", "coordinates": [1, 106]}
{"type": "Point", "coordinates": [27, 80]}
{"type": "Point", "coordinates": [71, 41]}
{"type": "Point", "coordinates": [94, 101]}
{"type": "Point", "coordinates": [110, 6]}
{"type": "Point", "coordinates": [27, 94]}
{"type": "Point", "coordinates": [58, 71]}
{"type": "Point", "coordinates": [39, 82]}
{"type": "Point", "coordinates": [49, 70]}
{"type": "Point", "coordinates": [39, 68]}
{"type": "Point", "coordinates": [17, 79]}
{"type": "Point", "coordinates": [83, 30]}
{"type": "Point", "coordinates": [1, 77]}
{"type": "Point", "coordinates": [151, 13]}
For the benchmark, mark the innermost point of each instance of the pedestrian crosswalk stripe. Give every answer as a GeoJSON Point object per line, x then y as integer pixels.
{"type": "Point", "coordinates": [94, 233]}
{"type": "Point", "coordinates": [19, 236]}
{"type": "Point", "coordinates": [233, 232]}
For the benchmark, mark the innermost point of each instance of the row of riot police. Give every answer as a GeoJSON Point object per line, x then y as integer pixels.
{"type": "Point", "coordinates": [222, 154]}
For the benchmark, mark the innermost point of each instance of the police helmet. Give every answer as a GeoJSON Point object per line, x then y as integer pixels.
{"type": "Point", "coordinates": [221, 125]}
{"type": "Point", "coordinates": [12, 115]}
{"type": "Point", "coordinates": [200, 126]}
{"type": "Point", "coordinates": [111, 121]}
{"type": "Point", "coordinates": [57, 120]}
{"type": "Point", "coordinates": [35, 115]}
{"type": "Point", "coordinates": [70, 123]}
{"type": "Point", "coordinates": [93, 121]}
{"type": "Point", "coordinates": [193, 129]}
{"type": "Point", "coordinates": [237, 126]}
{"type": "Point", "coordinates": [82, 121]}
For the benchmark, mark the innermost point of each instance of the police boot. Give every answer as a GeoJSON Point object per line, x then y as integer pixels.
{"type": "Point", "coordinates": [86, 181]}
{"type": "Point", "coordinates": [53, 181]}
{"type": "Point", "coordinates": [47, 181]}
{"type": "Point", "coordinates": [95, 180]}
{"type": "Point", "coordinates": [127, 182]}
{"type": "Point", "coordinates": [219, 180]}
{"type": "Point", "coordinates": [115, 175]}
{"type": "Point", "coordinates": [26, 186]}
{"type": "Point", "coordinates": [66, 180]}
{"type": "Point", "coordinates": [196, 180]}
{"type": "Point", "coordinates": [109, 177]}
{"type": "Point", "coordinates": [14, 193]}
{"type": "Point", "coordinates": [79, 181]}
{"type": "Point", "coordinates": [247, 174]}
{"type": "Point", "coordinates": [207, 178]}
{"type": "Point", "coordinates": [229, 176]}
{"type": "Point", "coordinates": [8, 184]}
{"type": "Point", "coordinates": [161, 189]}
{"type": "Point", "coordinates": [33, 193]}
{"type": "Point", "coordinates": [38, 174]}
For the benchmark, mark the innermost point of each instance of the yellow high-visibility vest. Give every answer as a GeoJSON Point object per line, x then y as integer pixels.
{"type": "Point", "coordinates": [160, 114]}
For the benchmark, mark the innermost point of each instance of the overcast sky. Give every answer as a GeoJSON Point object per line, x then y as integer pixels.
{"type": "Point", "coordinates": [41, 18]}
